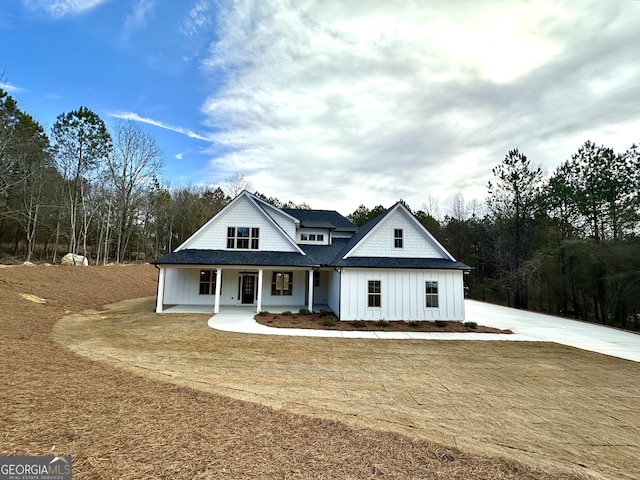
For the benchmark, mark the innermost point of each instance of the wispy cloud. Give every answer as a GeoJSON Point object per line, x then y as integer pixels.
{"type": "Point", "coordinates": [199, 17]}
{"type": "Point", "coordinates": [373, 101]}
{"type": "Point", "coordinates": [156, 123]}
{"type": "Point", "coordinates": [178, 156]}
{"type": "Point", "coordinates": [137, 19]}
{"type": "Point", "coordinates": [60, 8]}
{"type": "Point", "coordinates": [10, 88]}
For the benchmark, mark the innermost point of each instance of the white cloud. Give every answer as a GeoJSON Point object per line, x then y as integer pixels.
{"type": "Point", "coordinates": [7, 87]}
{"type": "Point", "coordinates": [178, 156]}
{"type": "Point", "coordinates": [340, 103]}
{"type": "Point", "coordinates": [157, 123]}
{"type": "Point", "coordinates": [199, 18]}
{"type": "Point", "coordinates": [60, 8]}
{"type": "Point", "coordinates": [138, 17]}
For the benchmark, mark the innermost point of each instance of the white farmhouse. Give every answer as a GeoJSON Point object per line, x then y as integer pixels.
{"type": "Point", "coordinates": [254, 254]}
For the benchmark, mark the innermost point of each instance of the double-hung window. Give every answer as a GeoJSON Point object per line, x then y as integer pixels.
{"type": "Point", "coordinates": [207, 282]}
{"type": "Point", "coordinates": [243, 238]}
{"type": "Point", "coordinates": [397, 238]}
{"type": "Point", "coordinates": [374, 293]}
{"type": "Point", "coordinates": [282, 283]}
{"type": "Point", "coordinates": [431, 294]}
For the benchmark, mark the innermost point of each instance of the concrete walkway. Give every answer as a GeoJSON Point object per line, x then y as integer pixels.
{"type": "Point", "coordinates": [527, 326]}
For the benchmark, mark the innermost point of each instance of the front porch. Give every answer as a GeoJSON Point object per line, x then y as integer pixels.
{"type": "Point", "coordinates": [209, 289]}
{"type": "Point", "coordinates": [186, 308]}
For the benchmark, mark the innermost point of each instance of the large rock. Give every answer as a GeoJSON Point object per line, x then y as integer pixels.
{"type": "Point", "coordinates": [77, 260]}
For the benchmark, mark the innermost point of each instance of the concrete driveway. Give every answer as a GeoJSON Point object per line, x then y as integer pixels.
{"type": "Point", "coordinates": [547, 328]}
{"type": "Point", "coordinates": [527, 326]}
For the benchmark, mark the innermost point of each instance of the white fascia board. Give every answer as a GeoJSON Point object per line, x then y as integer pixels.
{"type": "Point", "coordinates": [186, 243]}
{"type": "Point", "coordinates": [426, 232]}
{"type": "Point", "coordinates": [253, 199]}
{"type": "Point", "coordinates": [272, 207]}
{"type": "Point", "coordinates": [421, 228]}
{"type": "Point", "coordinates": [369, 233]}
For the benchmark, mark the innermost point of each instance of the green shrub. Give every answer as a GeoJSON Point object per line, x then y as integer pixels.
{"type": "Point", "coordinates": [441, 323]}
{"type": "Point", "coordinates": [287, 313]}
{"type": "Point", "coordinates": [263, 313]}
{"type": "Point", "coordinates": [414, 324]}
{"type": "Point", "coordinates": [471, 325]}
{"type": "Point", "coordinates": [324, 312]}
{"type": "Point", "coordinates": [382, 323]}
{"type": "Point", "coordinates": [304, 311]}
{"type": "Point", "coordinates": [329, 321]}
{"type": "Point", "coordinates": [359, 323]}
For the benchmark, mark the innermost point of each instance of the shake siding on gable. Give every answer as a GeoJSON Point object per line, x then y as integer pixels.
{"type": "Point", "coordinates": [402, 295]}
{"type": "Point", "coordinates": [285, 222]}
{"type": "Point", "coordinates": [379, 242]}
{"type": "Point", "coordinates": [242, 214]}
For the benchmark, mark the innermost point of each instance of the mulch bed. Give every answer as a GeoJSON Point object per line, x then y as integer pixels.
{"type": "Point", "coordinates": [316, 321]}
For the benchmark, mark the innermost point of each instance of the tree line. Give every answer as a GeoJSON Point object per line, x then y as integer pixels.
{"type": "Point", "coordinates": [567, 244]}
{"type": "Point", "coordinates": [92, 191]}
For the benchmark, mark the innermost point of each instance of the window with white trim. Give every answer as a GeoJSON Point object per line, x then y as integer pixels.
{"type": "Point", "coordinates": [397, 238]}
{"type": "Point", "coordinates": [431, 294]}
{"type": "Point", "coordinates": [374, 293]}
{"type": "Point", "coordinates": [207, 284]}
{"type": "Point", "coordinates": [282, 283]}
{"type": "Point", "coordinates": [244, 238]}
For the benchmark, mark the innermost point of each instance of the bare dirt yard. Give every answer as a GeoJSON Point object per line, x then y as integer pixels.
{"type": "Point", "coordinates": [131, 394]}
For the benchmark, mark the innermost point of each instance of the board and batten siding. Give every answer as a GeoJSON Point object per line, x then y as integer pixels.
{"type": "Point", "coordinates": [333, 291]}
{"type": "Point", "coordinates": [380, 242]}
{"type": "Point", "coordinates": [242, 214]}
{"type": "Point", "coordinates": [402, 295]}
{"type": "Point", "coordinates": [182, 286]}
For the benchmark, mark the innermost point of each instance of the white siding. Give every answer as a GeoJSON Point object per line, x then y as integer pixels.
{"type": "Point", "coordinates": [320, 293]}
{"type": "Point", "coordinates": [402, 295]}
{"type": "Point", "coordinates": [285, 222]}
{"type": "Point", "coordinates": [333, 291]}
{"type": "Point", "coordinates": [300, 285]}
{"type": "Point", "coordinates": [242, 214]}
{"type": "Point", "coordinates": [182, 286]}
{"type": "Point", "coordinates": [380, 241]}
{"type": "Point", "coordinates": [313, 231]}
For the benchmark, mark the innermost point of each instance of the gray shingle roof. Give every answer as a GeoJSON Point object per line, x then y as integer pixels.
{"type": "Point", "coordinates": [321, 219]}
{"type": "Point", "coordinates": [316, 255]}
{"type": "Point", "coordinates": [410, 263]}
{"type": "Point", "coordinates": [235, 257]}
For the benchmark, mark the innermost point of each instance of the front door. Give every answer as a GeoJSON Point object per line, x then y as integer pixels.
{"type": "Point", "coordinates": [248, 288]}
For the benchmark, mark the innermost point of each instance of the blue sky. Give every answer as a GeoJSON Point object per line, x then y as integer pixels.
{"type": "Point", "coordinates": [337, 103]}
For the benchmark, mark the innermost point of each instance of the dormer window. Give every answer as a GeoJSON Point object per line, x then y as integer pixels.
{"type": "Point", "coordinates": [243, 238]}
{"type": "Point", "coordinates": [312, 237]}
{"type": "Point", "coordinates": [397, 238]}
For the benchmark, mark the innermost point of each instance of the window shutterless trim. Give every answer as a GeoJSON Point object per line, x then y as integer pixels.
{"type": "Point", "coordinates": [374, 294]}
{"type": "Point", "coordinates": [431, 297]}
{"type": "Point", "coordinates": [397, 238]}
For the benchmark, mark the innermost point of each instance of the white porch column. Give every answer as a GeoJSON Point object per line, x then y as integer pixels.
{"type": "Point", "coordinates": [259, 302]}
{"type": "Point", "coordinates": [216, 301]}
{"type": "Point", "coordinates": [160, 296]}
{"type": "Point", "coordinates": [310, 307]}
